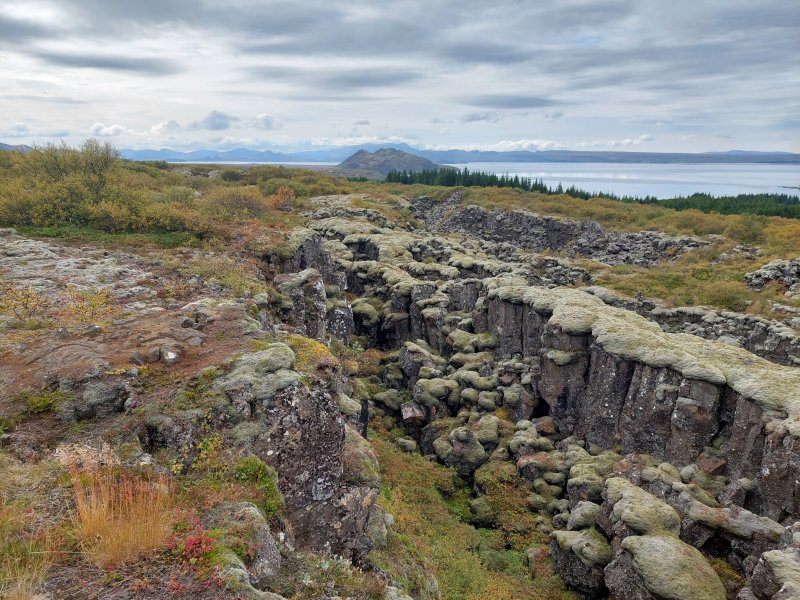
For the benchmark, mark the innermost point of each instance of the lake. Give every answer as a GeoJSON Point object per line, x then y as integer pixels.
{"type": "Point", "coordinates": [659, 180]}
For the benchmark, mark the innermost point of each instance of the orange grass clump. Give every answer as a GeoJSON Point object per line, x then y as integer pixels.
{"type": "Point", "coordinates": [120, 517]}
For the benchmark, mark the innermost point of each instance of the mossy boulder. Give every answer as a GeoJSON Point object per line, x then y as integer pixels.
{"type": "Point", "coordinates": [472, 379]}
{"type": "Point", "coordinates": [256, 377]}
{"type": "Point", "coordinates": [665, 567]}
{"type": "Point", "coordinates": [359, 460]}
{"type": "Point", "coordinates": [430, 392]}
{"type": "Point", "coordinates": [391, 399]}
{"type": "Point", "coordinates": [579, 557]}
{"type": "Point", "coordinates": [640, 511]}
{"type": "Point", "coordinates": [245, 533]}
{"type": "Point", "coordinates": [348, 406]}
{"type": "Point", "coordinates": [461, 450]}
{"type": "Point", "coordinates": [483, 515]}
{"type": "Point", "coordinates": [468, 343]}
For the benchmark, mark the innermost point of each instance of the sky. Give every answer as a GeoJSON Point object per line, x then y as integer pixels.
{"type": "Point", "coordinates": [643, 75]}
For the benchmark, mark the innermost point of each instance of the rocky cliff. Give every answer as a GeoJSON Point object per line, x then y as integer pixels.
{"type": "Point", "coordinates": [640, 441]}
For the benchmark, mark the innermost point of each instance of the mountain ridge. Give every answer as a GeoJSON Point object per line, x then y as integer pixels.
{"type": "Point", "coordinates": [453, 155]}
{"type": "Point", "coordinates": [337, 155]}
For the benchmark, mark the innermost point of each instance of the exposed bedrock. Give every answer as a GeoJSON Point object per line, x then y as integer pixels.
{"type": "Point", "coordinates": [327, 473]}
{"type": "Point", "coordinates": [639, 442]}
{"type": "Point", "coordinates": [617, 379]}
{"type": "Point", "coordinates": [785, 274]}
{"type": "Point", "coordinates": [536, 233]}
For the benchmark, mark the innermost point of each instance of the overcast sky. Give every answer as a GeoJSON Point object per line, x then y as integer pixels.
{"type": "Point", "coordinates": [648, 75]}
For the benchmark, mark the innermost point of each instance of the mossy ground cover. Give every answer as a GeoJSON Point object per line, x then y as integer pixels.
{"type": "Point", "coordinates": [431, 507]}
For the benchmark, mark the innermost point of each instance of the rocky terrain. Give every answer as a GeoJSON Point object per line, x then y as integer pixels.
{"type": "Point", "coordinates": [625, 449]}
{"type": "Point", "coordinates": [783, 273]}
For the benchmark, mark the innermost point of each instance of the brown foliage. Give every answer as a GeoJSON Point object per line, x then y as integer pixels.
{"type": "Point", "coordinates": [282, 199]}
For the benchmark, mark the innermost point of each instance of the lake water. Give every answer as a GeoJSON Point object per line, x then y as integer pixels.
{"type": "Point", "coordinates": [659, 180]}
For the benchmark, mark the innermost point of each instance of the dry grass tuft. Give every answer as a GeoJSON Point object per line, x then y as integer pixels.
{"type": "Point", "coordinates": [28, 543]}
{"type": "Point", "coordinates": [24, 560]}
{"type": "Point", "coordinates": [119, 517]}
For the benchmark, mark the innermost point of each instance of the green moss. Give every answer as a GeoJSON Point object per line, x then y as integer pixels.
{"type": "Point", "coordinates": [252, 469]}
{"type": "Point", "coordinates": [673, 569]}
{"type": "Point", "coordinates": [640, 510]}
{"type": "Point", "coordinates": [588, 544]}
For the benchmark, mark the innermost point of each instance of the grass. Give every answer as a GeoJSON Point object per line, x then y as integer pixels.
{"type": "Point", "coordinates": [24, 558]}
{"type": "Point", "coordinates": [28, 544]}
{"type": "Point", "coordinates": [34, 402]}
{"type": "Point", "coordinates": [74, 233]}
{"type": "Point", "coordinates": [429, 504]}
{"type": "Point", "coordinates": [240, 277]}
{"type": "Point", "coordinates": [119, 517]}
{"type": "Point", "coordinates": [692, 280]}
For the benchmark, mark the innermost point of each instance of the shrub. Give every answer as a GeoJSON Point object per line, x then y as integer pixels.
{"type": "Point", "coordinates": [92, 163]}
{"type": "Point", "coordinates": [88, 307]}
{"type": "Point", "coordinates": [230, 175]}
{"type": "Point", "coordinates": [282, 199]}
{"type": "Point", "coordinates": [110, 217]}
{"type": "Point", "coordinates": [22, 303]}
{"type": "Point", "coordinates": [119, 517]}
{"type": "Point", "coordinates": [311, 354]}
{"type": "Point", "coordinates": [236, 203]}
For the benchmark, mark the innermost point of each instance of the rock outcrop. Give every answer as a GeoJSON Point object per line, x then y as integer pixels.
{"type": "Point", "coordinates": [783, 273]}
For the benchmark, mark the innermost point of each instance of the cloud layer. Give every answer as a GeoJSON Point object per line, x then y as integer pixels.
{"type": "Point", "coordinates": [683, 76]}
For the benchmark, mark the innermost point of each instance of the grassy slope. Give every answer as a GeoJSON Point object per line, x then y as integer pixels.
{"type": "Point", "coordinates": [430, 530]}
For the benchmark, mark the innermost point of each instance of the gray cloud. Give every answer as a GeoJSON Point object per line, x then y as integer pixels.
{"type": "Point", "coordinates": [509, 101]}
{"type": "Point", "coordinates": [266, 122]}
{"type": "Point", "coordinates": [15, 31]}
{"type": "Point", "coordinates": [216, 121]}
{"type": "Point", "coordinates": [149, 66]}
{"type": "Point", "coordinates": [477, 117]}
{"type": "Point", "coordinates": [693, 67]}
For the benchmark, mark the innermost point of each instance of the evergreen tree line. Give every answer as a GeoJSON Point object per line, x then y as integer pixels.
{"type": "Point", "coordinates": [781, 205]}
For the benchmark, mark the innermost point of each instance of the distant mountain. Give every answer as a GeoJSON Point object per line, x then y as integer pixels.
{"type": "Point", "coordinates": [237, 155]}
{"type": "Point", "coordinates": [456, 156]}
{"type": "Point", "coordinates": [376, 165]}
{"type": "Point", "coordinates": [17, 148]}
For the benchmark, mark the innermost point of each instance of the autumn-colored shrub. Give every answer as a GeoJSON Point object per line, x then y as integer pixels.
{"type": "Point", "coordinates": [189, 540]}
{"type": "Point", "coordinates": [282, 199]}
{"type": "Point", "coordinates": [88, 307]}
{"type": "Point", "coordinates": [20, 302]}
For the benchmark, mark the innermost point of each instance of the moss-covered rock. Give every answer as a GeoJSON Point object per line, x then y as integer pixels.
{"type": "Point", "coordinates": [639, 510]}
{"type": "Point", "coordinates": [672, 569]}
{"type": "Point", "coordinates": [589, 545]}
{"type": "Point", "coordinates": [391, 399]}
{"type": "Point", "coordinates": [359, 460]}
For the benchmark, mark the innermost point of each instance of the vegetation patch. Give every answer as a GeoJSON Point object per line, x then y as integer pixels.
{"type": "Point", "coordinates": [430, 505]}
{"type": "Point", "coordinates": [119, 517]}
